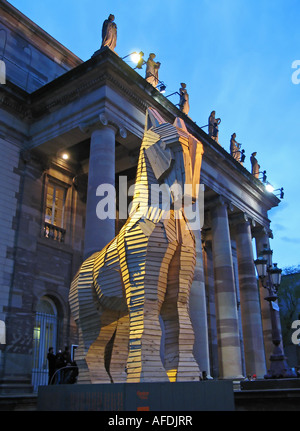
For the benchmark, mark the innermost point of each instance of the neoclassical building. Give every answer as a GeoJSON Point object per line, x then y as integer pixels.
{"type": "Point", "coordinates": [67, 126]}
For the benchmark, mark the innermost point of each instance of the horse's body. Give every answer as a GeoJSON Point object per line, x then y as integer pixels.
{"type": "Point", "coordinates": [124, 295]}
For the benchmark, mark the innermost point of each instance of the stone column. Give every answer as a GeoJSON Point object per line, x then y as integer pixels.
{"type": "Point", "coordinates": [255, 360]}
{"type": "Point", "coordinates": [226, 305]}
{"type": "Point", "coordinates": [99, 232]}
{"type": "Point", "coordinates": [211, 306]}
{"type": "Point", "coordinates": [198, 312]}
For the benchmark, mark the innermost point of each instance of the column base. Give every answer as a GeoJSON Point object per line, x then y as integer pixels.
{"type": "Point", "coordinates": [239, 377]}
{"type": "Point", "coordinates": [279, 368]}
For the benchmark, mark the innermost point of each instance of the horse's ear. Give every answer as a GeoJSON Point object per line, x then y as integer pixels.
{"type": "Point", "coordinates": [160, 158]}
{"type": "Point", "coordinates": [153, 119]}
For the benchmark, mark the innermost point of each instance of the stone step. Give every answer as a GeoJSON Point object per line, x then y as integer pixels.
{"type": "Point", "coordinates": [15, 388]}
{"type": "Point", "coordinates": [18, 403]}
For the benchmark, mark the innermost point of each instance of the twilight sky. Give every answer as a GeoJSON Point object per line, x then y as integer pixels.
{"type": "Point", "coordinates": [236, 58]}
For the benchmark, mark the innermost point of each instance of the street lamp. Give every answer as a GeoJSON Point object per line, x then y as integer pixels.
{"type": "Point", "coordinates": [270, 276]}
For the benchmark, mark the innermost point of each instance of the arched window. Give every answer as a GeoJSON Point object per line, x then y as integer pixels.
{"type": "Point", "coordinates": [44, 336]}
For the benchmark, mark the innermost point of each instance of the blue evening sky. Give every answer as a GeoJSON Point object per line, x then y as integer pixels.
{"type": "Point", "coordinates": [236, 58]}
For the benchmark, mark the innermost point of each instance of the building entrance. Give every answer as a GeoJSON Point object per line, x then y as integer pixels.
{"type": "Point", "coordinates": [44, 336]}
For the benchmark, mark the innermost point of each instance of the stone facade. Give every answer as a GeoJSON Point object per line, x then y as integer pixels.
{"type": "Point", "coordinates": [95, 111]}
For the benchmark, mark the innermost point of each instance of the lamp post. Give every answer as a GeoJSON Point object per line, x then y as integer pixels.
{"type": "Point", "coordinates": [270, 276]}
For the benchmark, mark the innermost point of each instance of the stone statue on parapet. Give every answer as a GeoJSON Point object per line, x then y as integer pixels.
{"type": "Point", "coordinates": [213, 129]}
{"type": "Point", "coordinates": [152, 70]}
{"type": "Point", "coordinates": [109, 33]}
{"type": "Point", "coordinates": [184, 103]}
{"type": "Point", "coordinates": [255, 165]}
{"type": "Point", "coordinates": [235, 148]}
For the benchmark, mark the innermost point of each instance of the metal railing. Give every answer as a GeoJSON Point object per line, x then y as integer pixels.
{"type": "Point", "coordinates": [63, 376]}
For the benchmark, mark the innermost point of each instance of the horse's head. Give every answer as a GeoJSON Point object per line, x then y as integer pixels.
{"type": "Point", "coordinates": [175, 155]}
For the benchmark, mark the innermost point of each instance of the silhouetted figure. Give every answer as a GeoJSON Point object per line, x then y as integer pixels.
{"type": "Point", "coordinates": [66, 356]}
{"type": "Point", "coordinates": [51, 364]}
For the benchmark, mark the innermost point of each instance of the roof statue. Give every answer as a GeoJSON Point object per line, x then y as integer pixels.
{"type": "Point", "coordinates": [235, 148]}
{"type": "Point", "coordinates": [213, 129]}
{"type": "Point", "coordinates": [152, 70]}
{"type": "Point", "coordinates": [184, 103]}
{"type": "Point", "coordinates": [255, 165]}
{"type": "Point", "coordinates": [109, 33]}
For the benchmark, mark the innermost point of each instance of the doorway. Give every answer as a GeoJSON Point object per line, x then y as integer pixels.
{"type": "Point", "coordinates": [44, 336]}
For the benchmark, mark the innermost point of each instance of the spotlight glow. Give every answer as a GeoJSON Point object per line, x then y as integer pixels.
{"type": "Point", "coordinates": [65, 156]}
{"type": "Point", "coordinates": [269, 188]}
{"type": "Point", "coordinates": [135, 57]}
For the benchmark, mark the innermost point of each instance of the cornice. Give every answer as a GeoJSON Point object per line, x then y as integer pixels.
{"type": "Point", "coordinates": [15, 100]}
{"type": "Point", "coordinates": [86, 86]}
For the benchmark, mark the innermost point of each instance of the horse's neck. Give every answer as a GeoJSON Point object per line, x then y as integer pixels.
{"type": "Point", "coordinates": [145, 178]}
{"type": "Point", "coordinates": [149, 197]}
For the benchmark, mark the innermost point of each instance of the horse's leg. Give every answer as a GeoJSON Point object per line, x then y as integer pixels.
{"type": "Point", "coordinates": [169, 314]}
{"type": "Point", "coordinates": [100, 352]}
{"type": "Point", "coordinates": [119, 354]}
{"type": "Point", "coordinates": [188, 369]}
{"type": "Point", "coordinates": [148, 255]}
{"type": "Point", "coordinates": [105, 363]}
{"type": "Point", "coordinates": [85, 314]}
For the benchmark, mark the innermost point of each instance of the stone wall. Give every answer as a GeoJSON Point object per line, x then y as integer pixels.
{"type": "Point", "coordinates": [9, 192]}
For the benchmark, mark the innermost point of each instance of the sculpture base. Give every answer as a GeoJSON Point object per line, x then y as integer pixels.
{"type": "Point", "coordinates": [182, 396]}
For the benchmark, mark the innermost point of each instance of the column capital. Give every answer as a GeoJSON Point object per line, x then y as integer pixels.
{"type": "Point", "coordinates": [241, 218]}
{"type": "Point", "coordinates": [219, 201]}
{"type": "Point", "coordinates": [100, 121]}
{"type": "Point", "coordinates": [262, 231]}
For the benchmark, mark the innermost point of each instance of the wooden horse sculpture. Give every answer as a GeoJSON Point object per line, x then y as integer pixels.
{"type": "Point", "coordinates": [131, 300]}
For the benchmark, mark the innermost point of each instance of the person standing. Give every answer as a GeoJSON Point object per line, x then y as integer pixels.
{"type": "Point", "coordinates": [51, 364]}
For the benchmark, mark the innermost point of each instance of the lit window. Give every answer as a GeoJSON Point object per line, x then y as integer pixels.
{"type": "Point", "coordinates": [55, 205]}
